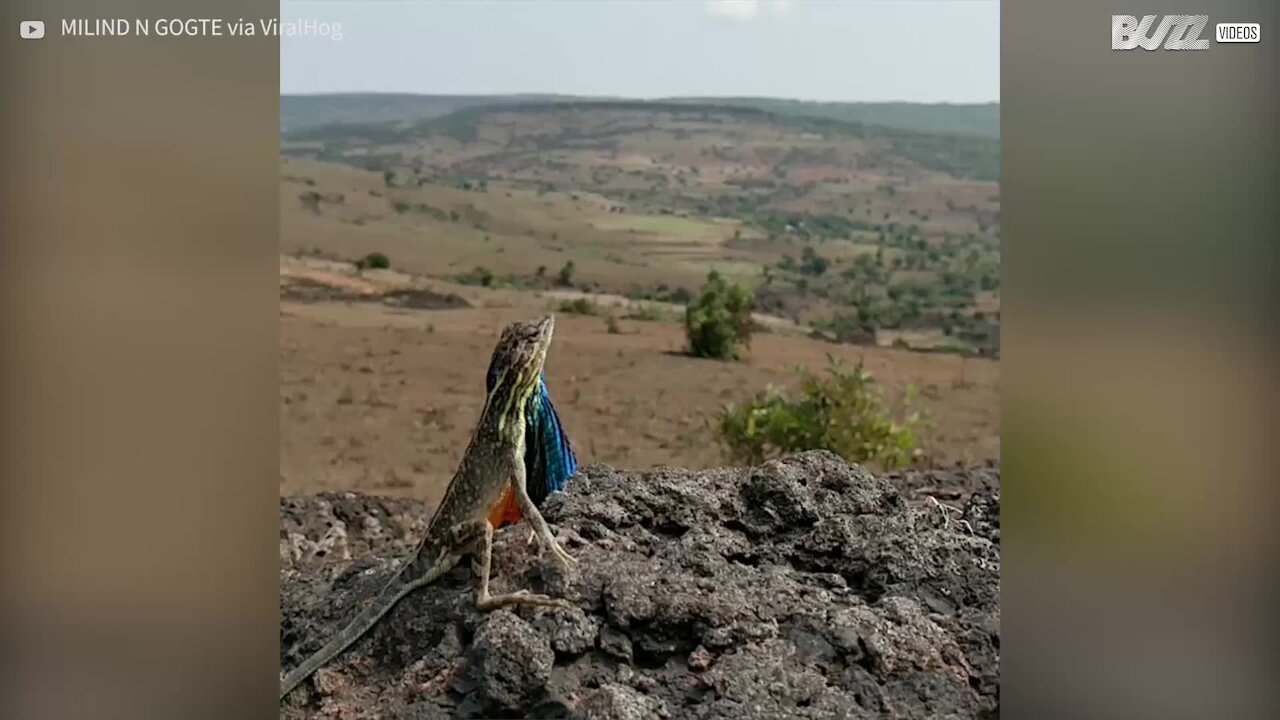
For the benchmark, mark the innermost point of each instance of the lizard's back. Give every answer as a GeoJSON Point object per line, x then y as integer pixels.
{"type": "Point", "coordinates": [482, 479]}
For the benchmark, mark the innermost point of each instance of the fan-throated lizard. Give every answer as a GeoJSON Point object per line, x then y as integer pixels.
{"type": "Point", "coordinates": [492, 464]}
{"type": "Point", "coordinates": [549, 460]}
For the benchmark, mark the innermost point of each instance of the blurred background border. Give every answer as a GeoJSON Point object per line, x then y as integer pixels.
{"type": "Point", "coordinates": [137, 247]}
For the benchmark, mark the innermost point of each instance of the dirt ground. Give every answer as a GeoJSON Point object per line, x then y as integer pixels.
{"type": "Point", "coordinates": [382, 399]}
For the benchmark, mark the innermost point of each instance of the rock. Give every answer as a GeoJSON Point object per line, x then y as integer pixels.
{"type": "Point", "coordinates": [802, 588]}
{"type": "Point", "coordinates": [700, 659]}
{"type": "Point", "coordinates": [616, 643]}
{"type": "Point", "coordinates": [616, 702]}
{"type": "Point", "coordinates": [510, 662]}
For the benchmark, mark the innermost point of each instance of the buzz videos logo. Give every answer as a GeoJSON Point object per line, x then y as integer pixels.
{"type": "Point", "coordinates": [1176, 32]}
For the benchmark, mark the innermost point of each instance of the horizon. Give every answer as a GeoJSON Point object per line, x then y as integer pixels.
{"type": "Point", "coordinates": [656, 98]}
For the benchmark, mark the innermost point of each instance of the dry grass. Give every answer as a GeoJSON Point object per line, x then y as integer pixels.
{"type": "Point", "coordinates": [383, 400]}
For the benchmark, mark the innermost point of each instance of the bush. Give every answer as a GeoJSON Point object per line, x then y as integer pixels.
{"type": "Point", "coordinates": [374, 261]}
{"type": "Point", "coordinates": [847, 328]}
{"type": "Point", "coordinates": [719, 320]}
{"type": "Point", "coordinates": [843, 412]}
{"type": "Point", "coordinates": [811, 263]}
{"type": "Point", "coordinates": [566, 274]}
{"type": "Point", "coordinates": [579, 306]}
{"type": "Point", "coordinates": [648, 312]}
{"type": "Point", "coordinates": [481, 275]}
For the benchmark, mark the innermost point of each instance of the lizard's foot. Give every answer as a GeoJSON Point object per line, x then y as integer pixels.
{"type": "Point", "coordinates": [561, 535]}
{"type": "Point", "coordinates": [562, 556]}
{"type": "Point", "coordinates": [946, 516]}
{"type": "Point", "coordinates": [488, 602]}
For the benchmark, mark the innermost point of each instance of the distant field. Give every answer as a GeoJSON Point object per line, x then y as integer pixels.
{"type": "Point", "coordinates": [661, 225]}
{"type": "Point", "coordinates": [381, 399]}
{"type": "Point", "coordinates": [867, 234]}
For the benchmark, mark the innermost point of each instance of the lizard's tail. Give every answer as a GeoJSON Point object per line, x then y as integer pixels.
{"type": "Point", "coordinates": [387, 599]}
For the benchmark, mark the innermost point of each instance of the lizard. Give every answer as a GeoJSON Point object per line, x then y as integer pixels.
{"type": "Point", "coordinates": [492, 463]}
{"type": "Point", "coordinates": [549, 460]}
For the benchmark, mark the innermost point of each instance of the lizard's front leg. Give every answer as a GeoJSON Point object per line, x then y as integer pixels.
{"type": "Point", "coordinates": [530, 512]}
{"type": "Point", "coordinates": [486, 602]}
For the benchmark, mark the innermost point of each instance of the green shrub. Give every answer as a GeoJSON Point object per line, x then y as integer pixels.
{"type": "Point", "coordinates": [566, 274]}
{"type": "Point", "coordinates": [481, 275]}
{"type": "Point", "coordinates": [719, 320]}
{"type": "Point", "coordinates": [843, 412]}
{"type": "Point", "coordinates": [811, 263]}
{"type": "Point", "coordinates": [579, 306]}
{"type": "Point", "coordinates": [647, 312]}
{"type": "Point", "coordinates": [373, 261]}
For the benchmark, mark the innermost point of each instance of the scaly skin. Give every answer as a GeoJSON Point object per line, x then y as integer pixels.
{"type": "Point", "coordinates": [492, 464]}
{"type": "Point", "coordinates": [549, 460]}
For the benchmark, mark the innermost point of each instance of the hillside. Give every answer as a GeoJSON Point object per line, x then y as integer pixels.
{"type": "Point", "coordinates": [974, 120]}
{"type": "Point", "coordinates": [302, 111]}
{"type": "Point", "coordinates": [865, 233]}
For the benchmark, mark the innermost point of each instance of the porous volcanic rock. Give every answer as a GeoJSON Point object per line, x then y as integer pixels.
{"type": "Point", "coordinates": [802, 588]}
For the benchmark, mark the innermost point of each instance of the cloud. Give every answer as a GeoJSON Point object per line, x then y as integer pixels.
{"type": "Point", "coordinates": [745, 10]}
{"type": "Point", "coordinates": [734, 9]}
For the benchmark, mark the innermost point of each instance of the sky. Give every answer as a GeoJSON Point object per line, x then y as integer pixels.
{"type": "Point", "coordinates": [833, 50]}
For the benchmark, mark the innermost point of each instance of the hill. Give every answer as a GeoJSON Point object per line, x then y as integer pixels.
{"type": "Point", "coordinates": [302, 111]}
{"type": "Point", "coordinates": [865, 233]}
{"type": "Point", "coordinates": [975, 120]}
{"type": "Point", "coordinates": [312, 110]}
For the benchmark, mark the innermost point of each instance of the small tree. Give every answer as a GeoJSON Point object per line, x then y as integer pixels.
{"type": "Point", "coordinates": [719, 319]}
{"type": "Point", "coordinates": [812, 263]}
{"type": "Point", "coordinates": [566, 274]}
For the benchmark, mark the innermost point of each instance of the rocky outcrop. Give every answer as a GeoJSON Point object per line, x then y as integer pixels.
{"type": "Point", "coordinates": [802, 588]}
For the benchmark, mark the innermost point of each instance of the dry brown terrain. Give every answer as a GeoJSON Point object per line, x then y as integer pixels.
{"type": "Point", "coordinates": [867, 235]}
{"type": "Point", "coordinates": [835, 225]}
{"type": "Point", "coordinates": [382, 399]}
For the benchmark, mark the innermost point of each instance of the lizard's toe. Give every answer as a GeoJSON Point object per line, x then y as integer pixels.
{"type": "Point", "coordinates": [564, 557]}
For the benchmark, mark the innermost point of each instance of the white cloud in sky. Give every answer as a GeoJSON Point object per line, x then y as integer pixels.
{"type": "Point", "coordinates": [734, 9]}
{"type": "Point", "coordinates": [745, 10]}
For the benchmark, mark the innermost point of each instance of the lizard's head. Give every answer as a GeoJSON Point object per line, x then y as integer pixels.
{"type": "Point", "coordinates": [516, 368]}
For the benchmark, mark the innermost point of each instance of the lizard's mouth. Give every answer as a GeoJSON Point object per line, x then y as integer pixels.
{"type": "Point", "coordinates": [546, 328]}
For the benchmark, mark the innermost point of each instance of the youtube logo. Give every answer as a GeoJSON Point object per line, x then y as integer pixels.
{"type": "Point", "coordinates": [31, 29]}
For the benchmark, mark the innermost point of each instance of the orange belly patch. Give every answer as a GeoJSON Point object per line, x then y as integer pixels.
{"type": "Point", "coordinates": [506, 512]}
